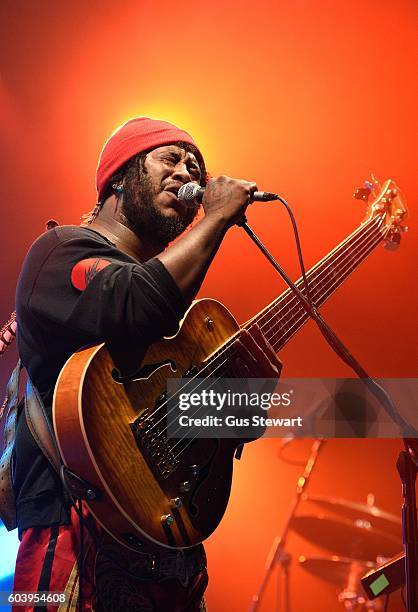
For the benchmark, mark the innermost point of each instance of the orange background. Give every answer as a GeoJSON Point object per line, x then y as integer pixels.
{"type": "Point", "coordinates": [306, 98]}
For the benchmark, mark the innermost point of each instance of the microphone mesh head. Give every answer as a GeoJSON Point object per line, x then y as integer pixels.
{"type": "Point", "coordinates": [188, 192]}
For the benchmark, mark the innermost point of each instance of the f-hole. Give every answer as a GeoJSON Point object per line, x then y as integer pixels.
{"type": "Point", "coordinates": [142, 373]}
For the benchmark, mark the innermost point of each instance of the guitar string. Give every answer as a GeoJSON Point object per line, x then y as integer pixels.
{"type": "Point", "coordinates": [328, 271]}
{"type": "Point", "coordinates": [314, 284]}
{"type": "Point", "coordinates": [190, 440]}
{"type": "Point", "coordinates": [295, 324]}
{"type": "Point", "coordinates": [199, 375]}
{"type": "Point", "coordinates": [291, 330]}
{"type": "Point", "coordinates": [359, 236]}
{"type": "Point", "coordinates": [278, 302]}
{"type": "Point", "coordinates": [227, 345]}
{"type": "Point", "coordinates": [342, 247]}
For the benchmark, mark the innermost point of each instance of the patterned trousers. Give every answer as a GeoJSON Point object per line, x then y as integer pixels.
{"type": "Point", "coordinates": [111, 574]}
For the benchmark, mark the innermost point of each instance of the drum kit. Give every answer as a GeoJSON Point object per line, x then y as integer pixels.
{"type": "Point", "coordinates": [363, 541]}
{"type": "Point", "coordinates": [359, 537]}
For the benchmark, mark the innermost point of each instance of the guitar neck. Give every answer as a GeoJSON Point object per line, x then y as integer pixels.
{"type": "Point", "coordinates": [281, 319]}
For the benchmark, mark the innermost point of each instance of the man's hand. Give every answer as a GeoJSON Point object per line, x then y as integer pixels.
{"type": "Point", "coordinates": [255, 357]}
{"type": "Point", "coordinates": [227, 198]}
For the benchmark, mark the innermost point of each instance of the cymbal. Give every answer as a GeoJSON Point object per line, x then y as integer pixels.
{"type": "Point", "coordinates": [378, 518]}
{"type": "Point", "coordinates": [345, 538]}
{"type": "Point", "coordinates": [337, 570]}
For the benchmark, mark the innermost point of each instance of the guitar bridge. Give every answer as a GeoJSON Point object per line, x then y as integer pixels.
{"type": "Point", "coordinates": [150, 434]}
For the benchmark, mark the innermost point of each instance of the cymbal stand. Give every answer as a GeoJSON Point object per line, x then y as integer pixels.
{"type": "Point", "coordinates": [278, 554]}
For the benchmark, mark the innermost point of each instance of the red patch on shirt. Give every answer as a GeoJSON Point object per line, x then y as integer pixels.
{"type": "Point", "coordinates": [85, 270]}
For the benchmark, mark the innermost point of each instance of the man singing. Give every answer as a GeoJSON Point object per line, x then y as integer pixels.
{"type": "Point", "coordinates": [115, 279]}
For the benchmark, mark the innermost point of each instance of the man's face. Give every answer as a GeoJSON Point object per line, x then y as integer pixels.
{"type": "Point", "coordinates": [150, 205]}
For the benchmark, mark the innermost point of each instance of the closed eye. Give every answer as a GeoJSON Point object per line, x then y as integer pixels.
{"type": "Point", "coordinates": [174, 158]}
{"type": "Point", "coordinates": [195, 171]}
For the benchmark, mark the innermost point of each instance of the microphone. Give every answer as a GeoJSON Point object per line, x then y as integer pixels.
{"type": "Point", "coordinates": [190, 192]}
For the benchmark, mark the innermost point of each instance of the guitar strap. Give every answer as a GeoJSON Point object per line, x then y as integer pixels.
{"type": "Point", "coordinates": [40, 426]}
{"type": "Point", "coordinates": [10, 408]}
{"type": "Point", "coordinates": [41, 429]}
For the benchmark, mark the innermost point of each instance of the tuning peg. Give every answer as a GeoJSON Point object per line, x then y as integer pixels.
{"type": "Point", "coordinates": [392, 241]}
{"type": "Point", "coordinates": [362, 194]}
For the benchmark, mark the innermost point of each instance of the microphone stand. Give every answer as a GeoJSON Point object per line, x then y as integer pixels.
{"type": "Point", "coordinates": [407, 469]}
{"type": "Point", "coordinates": [278, 554]}
{"type": "Point", "coordinates": [405, 465]}
{"type": "Point", "coordinates": [336, 344]}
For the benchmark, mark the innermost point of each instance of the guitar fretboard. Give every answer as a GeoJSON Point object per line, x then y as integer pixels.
{"type": "Point", "coordinates": [281, 319]}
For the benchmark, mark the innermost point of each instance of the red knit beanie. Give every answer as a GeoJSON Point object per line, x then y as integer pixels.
{"type": "Point", "coordinates": [135, 136]}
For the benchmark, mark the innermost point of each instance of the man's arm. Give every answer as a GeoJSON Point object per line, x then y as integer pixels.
{"type": "Point", "coordinates": [78, 284]}
{"type": "Point", "coordinates": [224, 202]}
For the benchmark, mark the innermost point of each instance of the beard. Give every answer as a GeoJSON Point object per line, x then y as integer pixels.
{"type": "Point", "coordinates": [144, 217]}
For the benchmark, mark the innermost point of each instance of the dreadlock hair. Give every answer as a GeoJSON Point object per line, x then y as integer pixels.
{"type": "Point", "coordinates": [132, 171]}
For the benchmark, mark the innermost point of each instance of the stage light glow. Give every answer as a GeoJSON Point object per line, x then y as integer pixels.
{"type": "Point", "coordinates": [9, 543]}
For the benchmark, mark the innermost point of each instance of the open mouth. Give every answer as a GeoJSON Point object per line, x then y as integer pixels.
{"type": "Point", "coordinates": [173, 190]}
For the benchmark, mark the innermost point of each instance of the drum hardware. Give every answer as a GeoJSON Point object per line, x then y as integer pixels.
{"type": "Point", "coordinates": [278, 556]}
{"type": "Point", "coordinates": [344, 573]}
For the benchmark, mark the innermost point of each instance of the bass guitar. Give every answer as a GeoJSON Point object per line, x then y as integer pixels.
{"type": "Point", "coordinates": [144, 487]}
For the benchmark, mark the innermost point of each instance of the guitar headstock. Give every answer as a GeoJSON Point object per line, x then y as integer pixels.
{"type": "Point", "coordinates": [387, 202]}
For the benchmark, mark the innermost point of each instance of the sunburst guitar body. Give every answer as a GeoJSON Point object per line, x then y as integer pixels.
{"type": "Point", "coordinates": [102, 441]}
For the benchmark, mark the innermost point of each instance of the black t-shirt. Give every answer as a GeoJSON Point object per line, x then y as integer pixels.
{"type": "Point", "coordinates": [76, 289]}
